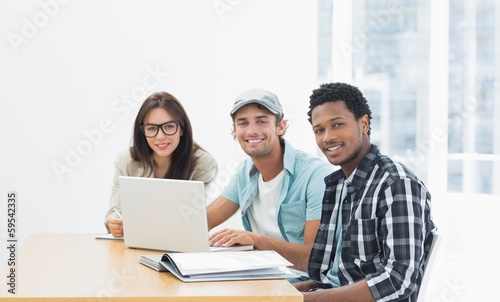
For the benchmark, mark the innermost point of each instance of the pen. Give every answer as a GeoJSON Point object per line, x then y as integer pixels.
{"type": "Point", "coordinates": [118, 213]}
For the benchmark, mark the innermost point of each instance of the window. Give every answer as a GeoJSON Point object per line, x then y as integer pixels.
{"type": "Point", "coordinates": [473, 138]}
{"type": "Point", "coordinates": [389, 57]}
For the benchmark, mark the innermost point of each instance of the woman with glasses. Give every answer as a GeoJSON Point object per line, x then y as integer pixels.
{"type": "Point", "coordinates": [163, 147]}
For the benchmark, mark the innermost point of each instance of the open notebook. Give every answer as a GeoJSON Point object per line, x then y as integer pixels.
{"type": "Point", "coordinates": [198, 267]}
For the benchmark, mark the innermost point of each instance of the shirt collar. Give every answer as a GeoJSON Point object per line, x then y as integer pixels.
{"type": "Point", "coordinates": [359, 174]}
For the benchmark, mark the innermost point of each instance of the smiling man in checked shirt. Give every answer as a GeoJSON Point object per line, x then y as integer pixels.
{"type": "Point", "coordinates": [376, 227]}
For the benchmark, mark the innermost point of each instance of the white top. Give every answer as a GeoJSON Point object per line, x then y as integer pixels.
{"type": "Point", "coordinates": [262, 211]}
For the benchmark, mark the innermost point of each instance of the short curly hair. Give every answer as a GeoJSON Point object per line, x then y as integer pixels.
{"type": "Point", "coordinates": [334, 92]}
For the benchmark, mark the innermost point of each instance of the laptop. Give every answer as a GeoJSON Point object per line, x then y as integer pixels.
{"type": "Point", "coordinates": [166, 215]}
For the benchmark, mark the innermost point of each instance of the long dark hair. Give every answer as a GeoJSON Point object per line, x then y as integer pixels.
{"type": "Point", "coordinates": [182, 162]}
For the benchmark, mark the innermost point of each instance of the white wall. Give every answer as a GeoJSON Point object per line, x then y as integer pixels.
{"type": "Point", "coordinates": [74, 73]}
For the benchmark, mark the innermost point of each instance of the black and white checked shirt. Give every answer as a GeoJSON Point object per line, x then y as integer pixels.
{"type": "Point", "coordinates": [387, 229]}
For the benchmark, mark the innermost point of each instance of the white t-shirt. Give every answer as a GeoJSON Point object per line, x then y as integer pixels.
{"type": "Point", "coordinates": [262, 211]}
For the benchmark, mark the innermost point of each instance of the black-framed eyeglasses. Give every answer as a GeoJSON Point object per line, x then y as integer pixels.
{"type": "Point", "coordinates": [169, 128]}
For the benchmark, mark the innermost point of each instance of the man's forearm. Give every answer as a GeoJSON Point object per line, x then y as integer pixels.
{"type": "Point", "coordinates": [219, 211]}
{"type": "Point", "coordinates": [296, 253]}
{"type": "Point", "coordinates": [356, 292]}
{"type": "Point", "coordinates": [305, 286]}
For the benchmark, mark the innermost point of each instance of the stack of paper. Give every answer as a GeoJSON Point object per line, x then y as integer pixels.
{"type": "Point", "coordinates": [243, 265]}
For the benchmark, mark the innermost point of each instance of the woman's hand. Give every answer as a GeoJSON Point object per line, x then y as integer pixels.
{"type": "Point", "coordinates": [115, 226]}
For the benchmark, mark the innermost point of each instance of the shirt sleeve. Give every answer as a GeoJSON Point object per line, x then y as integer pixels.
{"type": "Point", "coordinates": [114, 201]}
{"type": "Point", "coordinates": [205, 170]}
{"type": "Point", "coordinates": [316, 191]}
{"type": "Point", "coordinates": [231, 191]}
{"type": "Point", "coordinates": [402, 231]}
